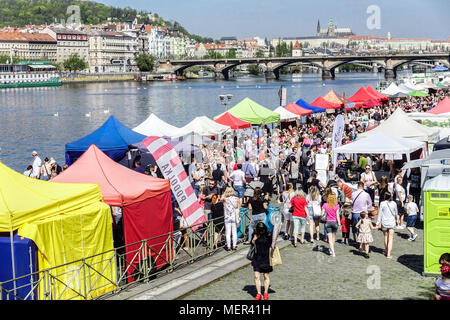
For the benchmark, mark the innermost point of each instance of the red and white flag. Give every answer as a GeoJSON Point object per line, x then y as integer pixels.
{"type": "Point", "coordinates": [172, 169]}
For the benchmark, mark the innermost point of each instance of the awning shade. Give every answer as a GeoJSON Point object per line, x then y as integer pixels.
{"type": "Point", "coordinates": [365, 98]}
{"type": "Point", "coordinates": [377, 94]}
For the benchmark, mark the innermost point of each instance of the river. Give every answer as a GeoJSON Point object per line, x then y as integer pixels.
{"type": "Point", "coordinates": [28, 120]}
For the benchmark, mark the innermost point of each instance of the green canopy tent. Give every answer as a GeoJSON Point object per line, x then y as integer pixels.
{"type": "Point", "coordinates": [250, 111]}
{"type": "Point", "coordinates": [418, 93]}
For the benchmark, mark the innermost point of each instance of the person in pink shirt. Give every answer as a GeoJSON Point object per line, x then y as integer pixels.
{"type": "Point", "coordinates": [331, 209]}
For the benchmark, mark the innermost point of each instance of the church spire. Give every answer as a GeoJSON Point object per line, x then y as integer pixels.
{"type": "Point", "coordinates": [318, 27]}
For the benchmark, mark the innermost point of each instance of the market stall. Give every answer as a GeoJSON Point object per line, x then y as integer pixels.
{"type": "Point", "coordinates": [66, 222]}
{"type": "Point", "coordinates": [113, 138]}
{"type": "Point", "coordinates": [250, 111]}
{"type": "Point", "coordinates": [145, 201]}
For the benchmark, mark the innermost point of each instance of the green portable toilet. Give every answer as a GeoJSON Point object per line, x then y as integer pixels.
{"type": "Point", "coordinates": [436, 193]}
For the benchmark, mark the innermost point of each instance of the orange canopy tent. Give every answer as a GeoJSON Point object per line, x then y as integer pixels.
{"type": "Point", "coordinates": [333, 97]}
{"type": "Point", "coordinates": [145, 200]}
{"type": "Point", "coordinates": [295, 108]}
{"type": "Point", "coordinates": [377, 94]}
{"type": "Point", "coordinates": [322, 103]}
{"type": "Point", "coordinates": [442, 107]}
{"type": "Point", "coordinates": [227, 119]}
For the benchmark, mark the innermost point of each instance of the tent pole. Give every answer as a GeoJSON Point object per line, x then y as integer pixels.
{"type": "Point", "coordinates": [13, 260]}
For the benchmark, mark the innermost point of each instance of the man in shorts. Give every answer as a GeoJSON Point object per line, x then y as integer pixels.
{"type": "Point", "coordinates": [361, 202]}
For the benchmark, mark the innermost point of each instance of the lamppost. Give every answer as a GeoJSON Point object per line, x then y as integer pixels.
{"type": "Point", "coordinates": [225, 99]}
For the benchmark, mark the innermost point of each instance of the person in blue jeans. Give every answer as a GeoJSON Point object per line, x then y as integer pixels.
{"type": "Point", "coordinates": [258, 205]}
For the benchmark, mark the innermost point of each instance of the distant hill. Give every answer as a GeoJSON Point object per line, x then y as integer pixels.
{"type": "Point", "coordinates": [19, 13]}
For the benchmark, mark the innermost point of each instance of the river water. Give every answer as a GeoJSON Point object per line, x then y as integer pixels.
{"type": "Point", "coordinates": [28, 121]}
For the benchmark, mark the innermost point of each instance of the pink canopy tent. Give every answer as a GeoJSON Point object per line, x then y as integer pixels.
{"type": "Point", "coordinates": [145, 200]}
{"type": "Point", "coordinates": [442, 107]}
{"type": "Point", "coordinates": [227, 119]}
{"type": "Point", "coordinates": [295, 108]}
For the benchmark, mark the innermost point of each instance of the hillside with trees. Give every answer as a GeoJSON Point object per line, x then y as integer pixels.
{"type": "Point", "coordinates": [19, 13]}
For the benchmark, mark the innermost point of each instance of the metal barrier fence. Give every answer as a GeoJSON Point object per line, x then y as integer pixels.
{"type": "Point", "coordinates": [110, 272]}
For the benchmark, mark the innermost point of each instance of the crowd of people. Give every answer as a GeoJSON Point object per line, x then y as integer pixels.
{"type": "Point", "coordinates": [278, 165]}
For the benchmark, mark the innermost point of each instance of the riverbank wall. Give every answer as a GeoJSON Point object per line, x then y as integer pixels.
{"type": "Point", "coordinates": [76, 77]}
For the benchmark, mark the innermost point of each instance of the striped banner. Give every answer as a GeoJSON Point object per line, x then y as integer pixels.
{"type": "Point", "coordinates": [172, 168]}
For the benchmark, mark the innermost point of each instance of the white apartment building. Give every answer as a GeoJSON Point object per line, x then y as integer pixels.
{"type": "Point", "coordinates": [112, 51]}
{"type": "Point", "coordinates": [69, 42]}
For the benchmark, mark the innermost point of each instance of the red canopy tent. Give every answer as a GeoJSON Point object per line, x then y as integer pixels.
{"type": "Point", "coordinates": [365, 99]}
{"type": "Point", "coordinates": [442, 107]}
{"type": "Point", "coordinates": [322, 103]}
{"type": "Point", "coordinates": [295, 108]}
{"type": "Point", "coordinates": [145, 200]}
{"type": "Point", "coordinates": [377, 94]}
{"type": "Point", "coordinates": [227, 119]}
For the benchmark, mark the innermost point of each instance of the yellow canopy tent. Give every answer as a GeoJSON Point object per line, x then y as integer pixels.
{"type": "Point", "coordinates": [68, 223]}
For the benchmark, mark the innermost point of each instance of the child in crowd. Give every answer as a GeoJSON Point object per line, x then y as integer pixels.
{"type": "Point", "coordinates": [365, 237]}
{"type": "Point", "coordinates": [201, 200]}
{"type": "Point", "coordinates": [346, 223]}
{"type": "Point", "coordinates": [442, 285]}
{"type": "Point", "coordinates": [411, 210]}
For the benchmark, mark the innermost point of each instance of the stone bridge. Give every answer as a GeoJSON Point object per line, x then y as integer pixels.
{"type": "Point", "coordinates": [328, 64]}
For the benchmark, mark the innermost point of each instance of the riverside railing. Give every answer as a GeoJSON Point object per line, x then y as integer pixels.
{"type": "Point", "coordinates": [108, 273]}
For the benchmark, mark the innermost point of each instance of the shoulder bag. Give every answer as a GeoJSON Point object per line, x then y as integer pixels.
{"type": "Point", "coordinates": [275, 257]}
{"type": "Point", "coordinates": [251, 252]}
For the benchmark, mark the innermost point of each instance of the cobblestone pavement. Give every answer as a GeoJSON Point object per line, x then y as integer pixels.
{"type": "Point", "coordinates": [308, 272]}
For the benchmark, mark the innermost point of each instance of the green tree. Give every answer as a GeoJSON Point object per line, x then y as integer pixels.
{"type": "Point", "coordinates": [231, 54]}
{"type": "Point", "coordinates": [75, 63]}
{"type": "Point", "coordinates": [259, 53]}
{"type": "Point", "coordinates": [253, 69]}
{"type": "Point", "coordinates": [145, 62]}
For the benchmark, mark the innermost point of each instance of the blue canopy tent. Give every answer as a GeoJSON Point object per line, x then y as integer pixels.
{"type": "Point", "coordinates": [440, 68]}
{"type": "Point", "coordinates": [306, 105]}
{"type": "Point", "coordinates": [113, 138]}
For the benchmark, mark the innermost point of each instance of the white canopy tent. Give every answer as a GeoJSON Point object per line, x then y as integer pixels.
{"type": "Point", "coordinates": [402, 126]}
{"type": "Point", "coordinates": [381, 143]}
{"type": "Point", "coordinates": [154, 126]}
{"type": "Point", "coordinates": [404, 88]}
{"type": "Point", "coordinates": [202, 126]}
{"type": "Point", "coordinates": [286, 115]}
{"type": "Point", "coordinates": [391, 90]}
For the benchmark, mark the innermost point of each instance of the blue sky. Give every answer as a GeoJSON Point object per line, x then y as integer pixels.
{"type": "Point", "coordinates": [289, 18]}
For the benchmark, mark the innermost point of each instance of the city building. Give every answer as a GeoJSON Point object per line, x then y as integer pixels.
{"type": "Point", "coordinates": [112, 51]}
{"type": "Point", "coordinates": [28, 46]}
{"type": "Point", "coordinates": [69, 42]}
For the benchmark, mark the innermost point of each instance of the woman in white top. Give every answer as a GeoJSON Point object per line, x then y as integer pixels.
{"type": "Point", "coordinates": [288, 195]}
{"type": "Point", "coordinates": [314, 205]}
{"type": "Point", "coordinates": [370, 180]}
{"type": "Point", "coordinates": [401, 199]}
{"type": "Point", "coordinates": [387, 218]}
{"type": "Point", "coordinates": [231, 205]}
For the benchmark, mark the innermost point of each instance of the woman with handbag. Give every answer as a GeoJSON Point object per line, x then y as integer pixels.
{"type": "Point", "coordinates": [232, 206]}
{"type": "Point", "coordinates": [262, 241]}
{"type": "Point", "coordinates": [387, 218]}
{"type": "Point", "coordinates": [330, 214]}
